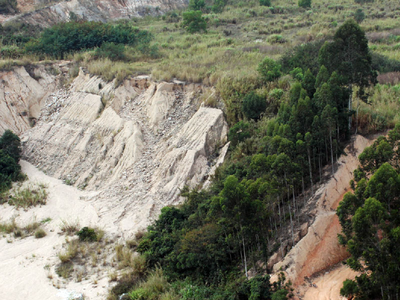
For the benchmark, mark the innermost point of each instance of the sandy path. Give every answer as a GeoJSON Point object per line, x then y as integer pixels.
{"type": "Point", "coordinates": [327, 286]}
{"type": "Point", "coordinates": [22, 261]}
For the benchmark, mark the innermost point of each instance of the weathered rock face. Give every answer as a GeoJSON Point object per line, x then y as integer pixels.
{"type": "Point", "coordinates": [22, 96]}
{"type": "Point", "coordinates": [96, 10]}
{"type": "Point", "coordinates": [137, 145]}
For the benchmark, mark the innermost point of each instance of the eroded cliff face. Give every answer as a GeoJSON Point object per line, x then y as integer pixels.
{"type": "Point", "coordinates": [22, 95]}
{"type": "Point", "coordinates": [136, 145]}
{"type": "Point", "coordinates": [91, 10]}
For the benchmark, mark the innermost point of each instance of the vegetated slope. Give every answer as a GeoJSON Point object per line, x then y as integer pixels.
{"type": "Point", "coordinates": [92, 10]}
{"type": "Point", "coordinates": [319, 249]}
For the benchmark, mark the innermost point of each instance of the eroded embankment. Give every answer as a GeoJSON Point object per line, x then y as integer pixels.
{"type": "Point", "coordinates": [125, 152]}
{"type": "Point", "coordinates": [319, 249]}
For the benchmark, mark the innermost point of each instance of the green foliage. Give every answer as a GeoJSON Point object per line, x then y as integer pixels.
{"type": "Point", "coordinates": [111, 51]}
{"type": "Point", "coordinates": [349, 56]}
{"type": "Point", "coordinates": [269, 69]}
{"type": "Point", "coordinates": [87, 234]}
{"type": "Point", "coordinates": [8, 6]}
{"type": "Point", "coordinates": [193, 21]}
{"type": "Point", "coordinates": [305, 3]}
{"type": "Point", "coordinates": [359, 15]}
{"type": "Point", "coordinates": [197, 5]}
{"type": "Point", "coordinates": [239, 132]}
{"type": "Point", "coordinates": [370, 221]}
{"type": "Point", "coordinates": [253, 105]}
{"type": "Point", "coordinates": [304, 56]}
{"type": "Point", "coordinates": [265, 2]}
{"type": "Point", "coordinates": [363, 1]}
{"type": "Point", "coordinates": [69, 37]}
{"type": "Point", "coordinates": [11, 145]}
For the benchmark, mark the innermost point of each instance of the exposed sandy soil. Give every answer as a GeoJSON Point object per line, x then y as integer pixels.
{"type": "Point", "coordinates": [327, 286]}
{"type": "Point", "coordinates": [22, 261]}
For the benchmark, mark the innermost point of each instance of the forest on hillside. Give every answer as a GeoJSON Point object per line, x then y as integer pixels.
{"type": "Point", "coordinates": [295, 80]}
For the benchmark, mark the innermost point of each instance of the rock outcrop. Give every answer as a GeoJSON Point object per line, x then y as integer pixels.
{"type": "Point", "coordinates": [22, 95]}
{"type": "Point", "coordinates": [97, 10]}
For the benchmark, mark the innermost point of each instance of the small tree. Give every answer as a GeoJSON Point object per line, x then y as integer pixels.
{"type": "Point", "coordinates": [11, 145]}
{"type": "Point", "coordinates": [305, 3]}
{"type": "Point", "coordinates": [253, 105]}
{"type": "Point", "coordinates": [197, 5]}
{"type": "Point", "coordinates": [359, 15]}
{"type": "Point", "coordinates": [265, 2]}
{"type": "Point", "coordinates": [193, 21]}
{"type": "Point", "coordinates": [269, 69]}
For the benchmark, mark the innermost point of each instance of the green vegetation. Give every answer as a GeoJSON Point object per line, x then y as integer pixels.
{"type": "Point", "coordinates": [69, 37]}
{"type": "Point", "coordinates": [305, 3]}
{"type": "Point", "coordinates": [8, 6]}
{"type": "Point", "coordinates": [10, 153]}
{"type": "Point", "coordinates": [193, 21]}
{"type": "Point", "coordinates": [87, 234]}
{"type": "Point", "coordinates": [370, 221]}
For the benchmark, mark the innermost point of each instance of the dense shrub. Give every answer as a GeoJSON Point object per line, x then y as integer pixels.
{"type": "Point", "coordinates": [72, 36]}
{"type": "Point", "coordinates": [384, 64]}
{"type": "Point", "coordinates": [305, 3]}
{"type": "Point", "coordinates": [304, 56]}
{"type": "Point", "coordinates": [359, 15]}
{"type": "Point", "coordinates": [253, 106]}
{"type": "Point", "coordinates": [265, 2]}
{"type": "Point", "coordinates": [269, 69]}
{"type": "Point", "coordinates": [111, 51]}
{"type": "Point", "coordinates": [193, 21]}
{"type": "Point", "coordinates": [87, 234]}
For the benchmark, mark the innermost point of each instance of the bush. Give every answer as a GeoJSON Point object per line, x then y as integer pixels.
{"type": "Point", "coordinates": [87, 234]}
{"type": "Point", "coordinates": [359, 15]}
{"type": "Point", "coordinates": [265, 2]}
{"type": "Point", "coordinates": [68, 37]}
{"type": "Point", "coordinates": [40, 233]}
{"type": "Point", "coordinates": [305, 3]}
{"type": "Point", "coordinates": [193, 21]}
{"type": "Point", "coordinates": [269, 69]}
{"type": "Point", "coordinates": [111, 51]}
{"type": "Point", "coordinates": [238, 133]}
{"type": "Point", "coordinates": [11, 145]}
{"type": "Point", "coordinates": [253, 105]}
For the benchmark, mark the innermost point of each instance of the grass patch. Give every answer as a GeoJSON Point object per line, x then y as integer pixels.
{"type": "Point", "coordinates": [40, 233]}
{"type": "Point", "coordinates": [70, 227]}
{"type": "Point", "coordinates": [12, 227]}
{"type": "Point", "coordinates": [28, 196]}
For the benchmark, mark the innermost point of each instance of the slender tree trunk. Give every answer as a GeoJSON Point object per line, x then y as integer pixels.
{"type": "Point", "coordinates": [245, 259]}
{"type": "Point", "coordinates": [330, 138]}
{"type": "Point", "coordinates": [350, 100]}
{"type": "Point", "coordinates": [291, 226]}
{"type": "Point", "coordinates": [311, 181]}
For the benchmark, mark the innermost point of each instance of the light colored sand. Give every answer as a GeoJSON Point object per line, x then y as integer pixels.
{"type": "Point", "coordinates": [22, 262]}
{"type": "Point", "coordinates": [328, 285]}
